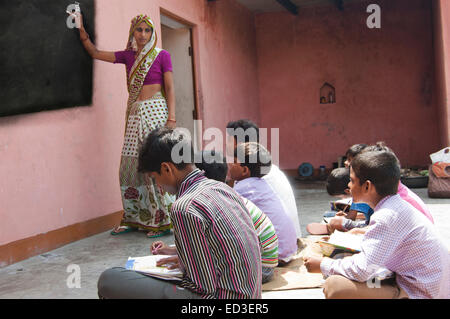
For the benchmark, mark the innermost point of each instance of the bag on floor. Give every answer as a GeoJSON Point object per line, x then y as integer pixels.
{"type": "Point", "coordinates": [439, 180]}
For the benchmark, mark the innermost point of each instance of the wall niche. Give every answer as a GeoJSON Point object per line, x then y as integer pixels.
{"type": "Point", "coordinates": [327, 94]}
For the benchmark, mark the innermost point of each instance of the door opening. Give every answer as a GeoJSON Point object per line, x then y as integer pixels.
{"type": "Point", "coordinates": [176, 38]}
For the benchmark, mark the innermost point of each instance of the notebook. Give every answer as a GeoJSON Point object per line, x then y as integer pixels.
{"type": "Point", "coordinates": [343, 241]}
{"type": "Point", "coordinates": [147, 266]}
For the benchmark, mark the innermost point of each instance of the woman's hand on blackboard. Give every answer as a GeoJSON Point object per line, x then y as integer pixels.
{"type": "Point", "coordinates": [78, 18]}
{"type": "Point", "coordinates": [81, 20]}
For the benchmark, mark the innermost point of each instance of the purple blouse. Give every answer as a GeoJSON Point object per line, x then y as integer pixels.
{"type": "Point", "coordinates": [155, 75]}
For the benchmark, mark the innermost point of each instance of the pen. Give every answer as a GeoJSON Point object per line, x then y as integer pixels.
{"type": "Point", "coordinates": [160, 245]}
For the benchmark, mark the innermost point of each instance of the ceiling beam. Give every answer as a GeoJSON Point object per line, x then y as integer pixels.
{"type": "Point", "coordinates": [292, 8]}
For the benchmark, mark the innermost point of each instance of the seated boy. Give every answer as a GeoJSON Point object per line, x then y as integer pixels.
{"type": "Point", "coordinates": [337, 186]}
{"type": "Point", "coordinates": [252, 161]}
{"type": "Point", "coordinates": [215, 167]}
{"type": "Point", "coordinates": [404, 192]}
{"type": "Point", "coordinates": [337, 183]}
{"type": "Point", "coordinates": [216, 245]}
{"type": "Point", "coordinates": [352, 151]}
{"type": "Point", "coordinates": [243, 131]}
{"type": "Point", "coordinates": [344, 220]}
{"type": "Point", "coordinates": [410, 246]}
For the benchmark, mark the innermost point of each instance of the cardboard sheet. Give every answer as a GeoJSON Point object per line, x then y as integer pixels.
{"type": "Point", "coordinates": [295, 275]}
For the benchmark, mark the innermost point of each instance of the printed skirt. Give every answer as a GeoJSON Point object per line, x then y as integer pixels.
{"type": "Point", "coordinates": [144, 203]}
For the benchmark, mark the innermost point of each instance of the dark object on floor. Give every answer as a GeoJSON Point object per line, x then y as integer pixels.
{"type": "Point", "coordinates": [415, 181]}
{"type": "Point", "coordinates": [305, 169]}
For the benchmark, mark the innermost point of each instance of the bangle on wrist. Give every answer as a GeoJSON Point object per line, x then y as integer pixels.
{"type": "Point", "coordinates": [171, 120]}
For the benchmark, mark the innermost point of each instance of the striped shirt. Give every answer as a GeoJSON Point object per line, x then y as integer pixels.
{"type": "Point", "coordinates": [402, 240]}
{"type": "Point", "coordinates": [265, 231]}
{"type": "Point", "coordinates": [215, 240]}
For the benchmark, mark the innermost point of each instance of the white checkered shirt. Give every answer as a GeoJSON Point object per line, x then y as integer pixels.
{"type": "Point", "coordinates": [403, 240]}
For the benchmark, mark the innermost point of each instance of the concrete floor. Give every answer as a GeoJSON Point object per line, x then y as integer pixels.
{"type": "Point", "coordinates": [46, 276]}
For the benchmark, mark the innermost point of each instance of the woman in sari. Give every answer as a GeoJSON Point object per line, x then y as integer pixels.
{"type": "Point", "coordinates": [151, 104]}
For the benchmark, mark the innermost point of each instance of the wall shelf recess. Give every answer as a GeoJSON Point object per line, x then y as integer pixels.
{"type": "Point", "coordinates": [327, 94]}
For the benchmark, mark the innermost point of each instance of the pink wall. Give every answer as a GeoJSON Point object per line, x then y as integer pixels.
{"type": "Point", "coordinates": [442, 67]}
{"type": "Point", "coordinates": [383, 80]}
{"type": "Point", "coordinates": [61, 167]}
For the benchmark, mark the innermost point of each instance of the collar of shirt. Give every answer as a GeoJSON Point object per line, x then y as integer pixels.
{"type": "Point", "coordinates": [362, 208]}
{"type": "Point", "coordinates": [381, 202]}
{"type": "Point", "coordinates": [192, 178]}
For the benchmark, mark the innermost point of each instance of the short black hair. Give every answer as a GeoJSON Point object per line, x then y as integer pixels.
{"type": "Point", "coordinates": [337, 181]}
{"type": "Point", "coordinates": [214, 164]}
{"type": "Point", "coordinates": [355, 149]}
{"type": "Point", "coordinates": [381, 168]}
{"type": "Point", "coordinates": [248, 129]}
{"type": "Point", "coordinates": [159, 146]}
{"type": "Point", "coordinates": [378, 146]}
{"type": "Point", "coordinates": [254, 156]}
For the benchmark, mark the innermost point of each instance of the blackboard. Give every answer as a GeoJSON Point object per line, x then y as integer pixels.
{"type": "Point", "coordinates": [43, 65]}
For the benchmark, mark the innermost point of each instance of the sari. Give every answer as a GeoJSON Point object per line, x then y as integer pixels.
{"type": "Point", "coordinates": [144, 203]}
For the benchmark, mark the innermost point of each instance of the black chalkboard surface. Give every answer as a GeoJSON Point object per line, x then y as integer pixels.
{"type": "Point", "coordinates": [43, 65]}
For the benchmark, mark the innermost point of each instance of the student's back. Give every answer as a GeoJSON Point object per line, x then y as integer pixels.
{"type": "Point", "coordinates": [409, 196]}
{"type": "Point", "coordinates": [214, 235]}
{"type": "Point", "coordinates": [410, 240]}
{"type": "Point", "coordinates": [262, 195]}
{"type": "Point", "coordinates": [215, 167]}
{"type": "Point", "coordinates": [282, 188]}
{"type": "Point", "coordinates": [404, 192]}
{"type": "Point", "coordinates": [245, 130]}
{"type": "Point", "coordinates": [399, 238]}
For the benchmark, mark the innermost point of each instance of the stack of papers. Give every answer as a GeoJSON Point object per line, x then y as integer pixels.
{"type": "Point", "coordinates": [341, 204]}
{"type": "Point", "coordinates": [147, 265]}
{"type": "Point", "coordinates": [341, 240]}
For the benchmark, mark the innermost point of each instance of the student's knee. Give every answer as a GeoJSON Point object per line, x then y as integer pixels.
{"type": "Point", "coordinates": [106, 282]}
{"type": "Point", "coordinates": [337, 287]}
{"type": "Point", "coordinates": [267, 274]}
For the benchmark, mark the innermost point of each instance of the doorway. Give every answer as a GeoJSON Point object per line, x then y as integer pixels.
{"type": "Point", "coordinates": [176, 38]}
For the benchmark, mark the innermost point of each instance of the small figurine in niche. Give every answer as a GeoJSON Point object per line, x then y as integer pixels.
{"type": "Point", "coordinates": [327, 94]}
{"type": "Point", "coordinates": [330, 97]}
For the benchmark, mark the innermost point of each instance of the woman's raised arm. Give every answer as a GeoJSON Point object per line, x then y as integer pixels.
{"type": "Point", "coordinates": [90, 47]}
